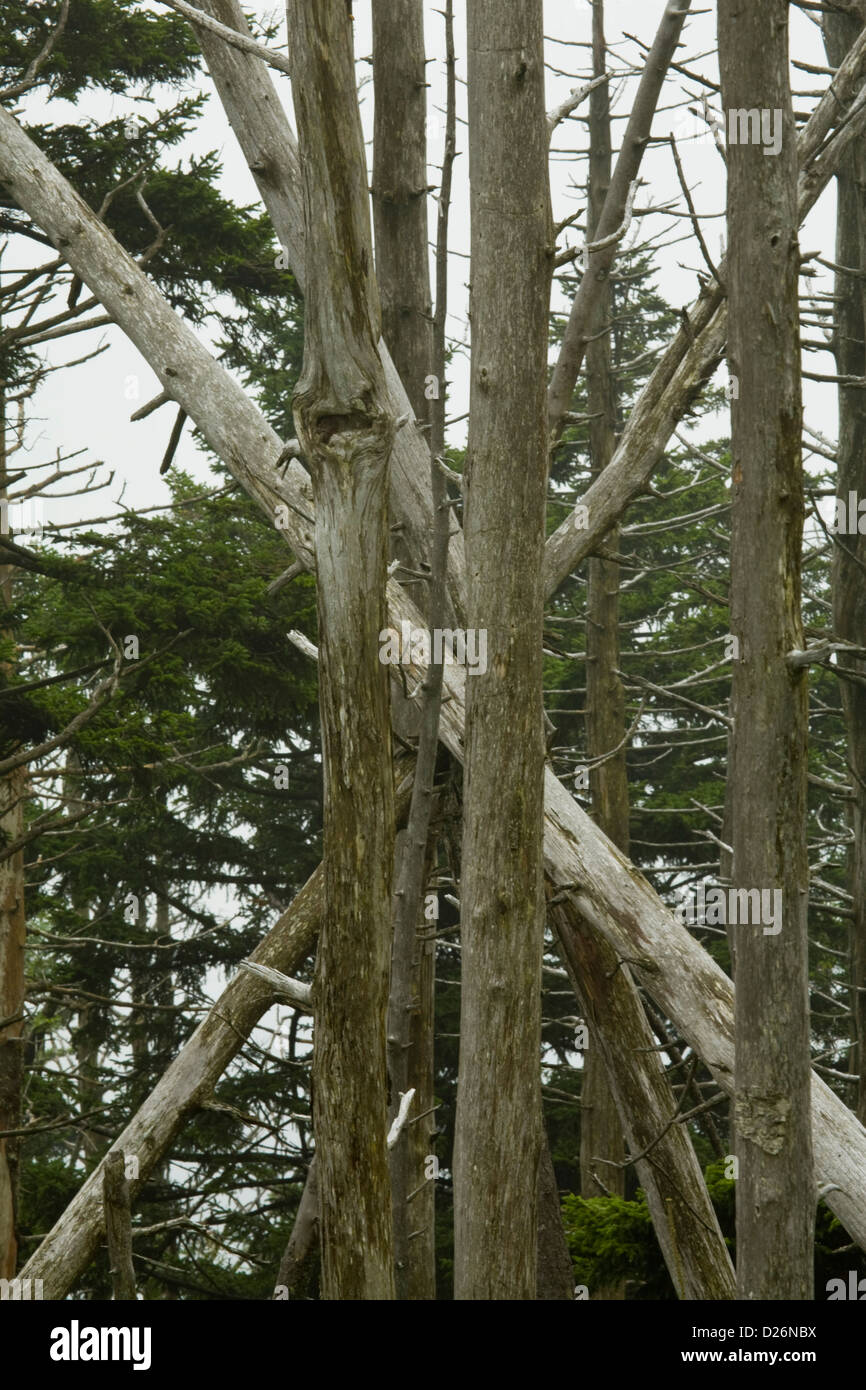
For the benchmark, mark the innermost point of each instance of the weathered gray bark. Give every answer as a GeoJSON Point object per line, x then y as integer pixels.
{"type": "Point", "coordinates": [399, 199]}
{"type": "Point", "coordinates": [684, 1220]}
{"type": "Point", "coordinates": [769, 701]}
{"type": "Point", "coordinates": [554, 1274]}
{"type": "Point", "coordinates": [600, 1128]}
{"type": "Point", "coordinates": [118, 1227]}
{"type": "Point", "coordinates": [498, 1124]}
{"type": "Point", "coordinates": [12, 938]}
{"type": "Point", "coordinates": [399, 190]}
{"type": "Point", "coordinates": [849, 557]}
{"type": "Point", "coordinates": [301, 1255]}
{"type": "Point", "coordinates": [345, 428]}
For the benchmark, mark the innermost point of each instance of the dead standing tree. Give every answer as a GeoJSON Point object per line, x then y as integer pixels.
{"type": "Point", "coordinates": [769, 697]}
{"type": "Point", "coordinates": [498, 1127]}
{"type": "Point", "coordinates": [346, 428]}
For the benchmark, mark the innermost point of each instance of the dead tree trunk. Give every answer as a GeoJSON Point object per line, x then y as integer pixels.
{"type": "Point", "coordinates": [600, 1128]}
{"type": "Point", "coordinates": [400, 190]}
{"type": "Point", "coordinates": [776, 1182]}
{"type": "Point", "coordinates": [402, 271]}
{"type": "Point", "coordinates": [554, 1275]}
{"type": "Point", "coordinates": [498, 1125]}
{"type": "Point", "coordinates": [849, 555]}
{"type": "Point", "coordinates": [301, 1255]}
{"type": "Point", "coordinates": [346, 430]}
{"type": "Point", "coordinates": [12, 935]}
{"type": "Point", "coordinates": [118, 1226]}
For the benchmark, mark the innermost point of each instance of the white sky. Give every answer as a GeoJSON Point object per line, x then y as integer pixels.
{"type": "Point", "coordinates": [90, 405]}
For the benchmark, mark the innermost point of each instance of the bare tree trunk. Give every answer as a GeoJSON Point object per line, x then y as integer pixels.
{"type": "Point", "coordinates": [685, 1223]}
{"type": "Point", "coordinates": [12, 929]}
{"type": "Point", "coordinates": [498, 1125]}
{"type": "Point", "coordinates": [301, 1255]}
{"type": "Point", "coordinates": [402, 272]}
{"type": "Point", "coordinates": [554, 1275]}
{"type": "Point", "coordinates": [346, 431]}
{"type": "Point", "coordinates": [400, 190]}
{"type": "Point", "coordinates": [600, 1128]}
{"type": "Point", "coordinates": [118, 1226]}
{"type": "Point", "coordinates": [776, 1182]}
{"type": "Point", "coordinates": [849, 557]}
{"type": "Point", "coordinates": [12, 937]}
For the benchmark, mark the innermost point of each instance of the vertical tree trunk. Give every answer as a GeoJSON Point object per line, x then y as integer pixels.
{"type": "Point", "coordinates": [498, 1126]}
{"type": "Point", "coordinates": [400, 190]}
{"type": "Point", "coordinates": [12, 934]}
{"type": "Point", "coordinates": [118, 1226]}
{"type": "Point", "coordinates": [600, 1128]}
{"type": "Point", "coordinates": [775, 1187]}
{"type": "Point", "coordinates": [12, 931]}
{"type": "Point", "coordinates": [849, 556]}
{"type": "Point", "coordinates": [402, 273]}
{"type": "Point", "coordinates": [346, 432]}
{"type": "Point", "coordinates": [554, 1274]}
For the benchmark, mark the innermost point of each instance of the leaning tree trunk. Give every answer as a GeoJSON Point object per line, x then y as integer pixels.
{"type": "Point", "coordinates": [849, 556]}
{"type": "Point", "coordinates": [600, 1128]}
{"type": "Point", "coordinates": [346, 432]}
{"type": "Point", "coordinates": [498, 1124]}
{"type": "Point", "coordinates": [776, 1183]}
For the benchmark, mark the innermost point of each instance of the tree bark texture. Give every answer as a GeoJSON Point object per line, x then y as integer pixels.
{"type": "Point", "coordinates": [400, 190]}
{"type": "Point", "coordinates": [600, 1128]}
{"type": "Point", "coordinates": [13, 789]}
{"type": "Point", "coordinates": [301, 1255]}
{"type": "Point", "coordinates": [346, 431]}
{"type": "Point", "coordinates": [769, 701]}
{"type": "Point", "coordinates": [118, 1227]}
{"type": "Point", "coordinates": [498, 1124]}
{"type": "Point", "coordinates": [849, 555]}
